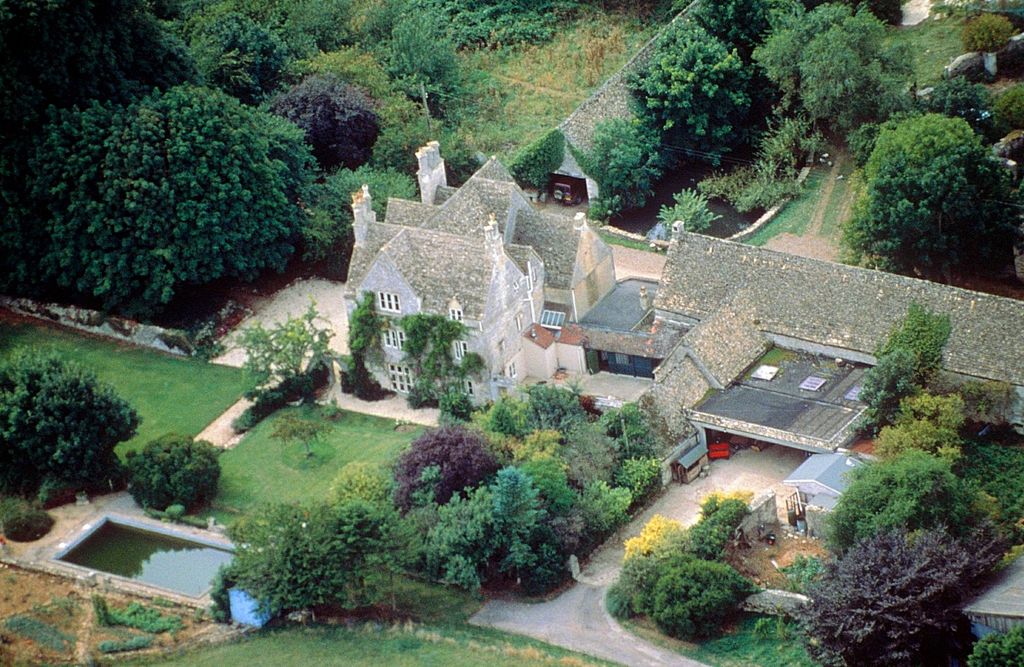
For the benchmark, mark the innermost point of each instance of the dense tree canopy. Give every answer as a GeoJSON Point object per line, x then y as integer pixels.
{"type": "Point", "coordinates": [836, 65]}
{"type": "Point", "coordinates": [742, 24]}
{"type": "Point", "coordinates": [58, 425]}
{"type": "Point", "coordinates": [294, 557]}
{"type": "Point", "coordinates": [185, 186]}
{"type": "Point", "coordinates": [695, 91]}
{"type": "Point", "coordinates": [625, 162]}
{"type": "Point", "coordinates": [338, 119]}
{"type": "Point", "coordinates": [959, 98]}
{"type": "Point", "coordinates": [240, 57]}
{"type": "Point", "coordinates": [914, 491]}
{"type": "Point", "coordinates": [935, 200]}
{"type": "Point", "coordinates": [174, 470]}
{"type": "Point", "coordinates": [999, 649]}
{"type": "Point", "coordinates": [894, 599]}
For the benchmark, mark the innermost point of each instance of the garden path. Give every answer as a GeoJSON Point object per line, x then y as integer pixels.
{"type": "Point", "coordinates": [577, 619]}
{"type": "Point", "coordinates": [219, 432]}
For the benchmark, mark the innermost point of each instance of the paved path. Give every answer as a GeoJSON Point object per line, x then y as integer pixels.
{"type": "Point", "coordinates": [577, 619]}
{"type": "Point", "coordinates": [219, 432]}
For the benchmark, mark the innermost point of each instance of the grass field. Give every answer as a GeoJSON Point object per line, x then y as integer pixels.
{"type": "Point", "coordinates": [796, 215]}
{"type": "Point", "coordinates": [172, 394]}
{"type": "Point", "coordinates": [372, 646]}
{"type": "Point", "coordinates": [932, 45]}
{"type": "Point", "coordinates": [529, 90]}
{"type": "Point", "coordinates": [261, 469]}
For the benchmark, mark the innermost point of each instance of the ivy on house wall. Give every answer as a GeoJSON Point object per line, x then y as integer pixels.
{"type": "Point", "coordinates": [364, 330]}
{"type": "Point", "coordinates": [429, 347]}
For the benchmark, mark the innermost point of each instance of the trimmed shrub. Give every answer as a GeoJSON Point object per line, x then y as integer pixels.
{"type": "Point", "coordinates": [719, 519]}
{"type": "Point", "coordinates": [1002, 649]}
{"type": "Point", "coordinates": [1009, 108]}
{"type": "Point", "coordinates": [604, 507]}
{"type": "Point", "coordinates": [361, 480]}
{"type": "Point", "coordinates": [988, 33]}
{"type": "Point", "coordinates": [174, 471]}
{"type": "Point", "coordinates": [21, 521]}
{"type": "Point", "coordinates": [693, 597]}
{"type": "Point", "coordinates": [641, 476]}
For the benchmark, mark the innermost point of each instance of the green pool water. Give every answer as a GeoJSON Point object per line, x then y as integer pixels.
{"type": "Point", "coordinates": [160, 560]}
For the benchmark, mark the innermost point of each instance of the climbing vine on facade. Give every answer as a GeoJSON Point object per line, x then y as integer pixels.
{"type": "Point", "coordinates": [365, 327]}
{"type": "Point", "coordinates": [430, 347]}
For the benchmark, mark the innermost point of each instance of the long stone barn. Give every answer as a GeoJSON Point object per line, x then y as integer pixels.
{"type": "Point", "coordinates": [776, 346]}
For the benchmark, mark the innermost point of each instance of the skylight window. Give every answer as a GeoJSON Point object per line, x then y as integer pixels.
{"type": "Point", "coordinates": [552, 319]}
{"type": "Point", "coordinates": [853, 394]}
{"type": "Point", "coordinates": [812, 383]}
{"type": "Point", "coordinates": [765, 372]}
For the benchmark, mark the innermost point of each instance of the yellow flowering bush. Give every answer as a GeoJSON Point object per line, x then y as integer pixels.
{"type": "Point", "coordinates": [657, 531]}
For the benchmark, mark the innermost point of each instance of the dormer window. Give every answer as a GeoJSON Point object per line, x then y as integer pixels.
{"type": "Point", "coordinates": [389, 302]}
{"type": "Point", "coordinates": [455, 314]}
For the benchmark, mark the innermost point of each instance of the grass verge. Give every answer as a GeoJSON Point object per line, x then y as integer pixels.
{"type": "Point", "coordinates": [796, 215]}
{"type": "Point", "coordinates": [171, 394]}
{"type": "Point", "coordinates": [932, 44]}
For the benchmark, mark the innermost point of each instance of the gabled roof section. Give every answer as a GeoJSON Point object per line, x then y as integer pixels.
{"type": "Point", "coordinates": [833, 471]}
{"type": "Point", "coordinates": [555, 239]}
{"type": "Point", "coordinates": [406, 213]}
{"type": "Point", "coordinates": [465, 273]}
{"type": "Point", "coordinates": [363, 254]}
{"type": "Point", "coordinates": [726, 343]}
{"type": "Point", "coordinates": [837, 305]}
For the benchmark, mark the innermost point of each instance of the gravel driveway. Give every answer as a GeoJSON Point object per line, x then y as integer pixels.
{"type": "Point", "coordinates": [577, 619]}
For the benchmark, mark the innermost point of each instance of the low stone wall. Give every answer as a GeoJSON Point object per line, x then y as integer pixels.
{"type": "Point", "coordinates": [775, 603]}
{"type": "Point", "coordinates": [763, 511]}
{"type": "Point", "coordinates": [817, 519]}
{"type": "Point", "coordinates": [770, 214]}
{"type": "Point", "coordinates": [622, 233]}
{"type": "Point", "coordinates": [173, 341]}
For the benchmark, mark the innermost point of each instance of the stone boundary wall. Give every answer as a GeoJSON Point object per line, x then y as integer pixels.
{"type": "Point", "coordinates": [775, 603]}
{"type": "Point", "coordinates": [173, 341]}
{"type": "Point", "coordinates": [622, 233]}
{"type": "Point", "coordinates": [763, 510]}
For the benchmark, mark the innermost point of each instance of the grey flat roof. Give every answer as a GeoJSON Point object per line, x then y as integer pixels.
{"type": "Point", "coordinates": [1003, 598]}
{"type": "Point", "coordinates": [829, 470]}
{"type": "Point", "coordinates": [781, 404]}
{"type": "Point", "coordinates": [620, 309]}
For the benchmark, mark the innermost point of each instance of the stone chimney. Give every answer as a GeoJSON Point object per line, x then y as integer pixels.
{"type": "Point", "coordinates": [580, 222]}
{"type": "Point", "coordinates": [492, 236]}
{"type": "Point", "coordinates": [431, 171]}
{"type": "Point", "coordinates": [362, 214]}
{"type": "Point", "coordinates": [678, 227]}
{"type": "Point", "coordinates": [645, 299]}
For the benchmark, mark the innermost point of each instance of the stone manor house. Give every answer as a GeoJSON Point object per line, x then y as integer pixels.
{"type": "Point", "coordinates": [735, 340]}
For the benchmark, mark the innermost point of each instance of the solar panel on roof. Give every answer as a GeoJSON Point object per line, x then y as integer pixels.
{"type": "Point", "coordinates": [853, 394]}
{"type": "Point", "coordinates": [552, 318]}
{"type": "Point", "coordinates": [812, 383]}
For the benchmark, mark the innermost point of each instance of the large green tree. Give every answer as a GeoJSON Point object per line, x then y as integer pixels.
{"type": "Point", "coordinates": [694, 89]}
{"type": "Point", "coordinates": [740, 23]}
{"type": "Point", "coordinates": [185, 186]}
{"type": "Point", "coordinates": [914, 491]}
{"type": "Point", "coordinates": [624, 160]}
{"type": "Point", "coordinates": [240, 57]}
{"type": "Point", "coordinates": [837, 65]}
{"type": "Point", "coordinates": [293, 557]}
{"type": "Point", "coordinates": [58, 425]}
{"type": "Point", "coordinates": [935, 201]}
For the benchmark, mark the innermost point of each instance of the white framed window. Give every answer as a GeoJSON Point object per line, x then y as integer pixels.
{"type": "Point", "coordinates": [510, 371]}
{"type": "Point", "coordinates": [389, 302]}
{"type": "Point", "coordinates": [394, 338]}
{"type": "Point", "coordinates": [455, 314]}
{"type": "Point", "coordinates": [461, 349]}
{"type": "Point", "coordinates": [519, 322]}
{"type": "Point", "coordinates": [401, 377]}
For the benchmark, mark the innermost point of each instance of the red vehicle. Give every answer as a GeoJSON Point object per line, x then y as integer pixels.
{"type": "Point", "coordinates": [719, 450]}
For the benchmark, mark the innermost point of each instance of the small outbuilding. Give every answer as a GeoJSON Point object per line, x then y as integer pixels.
{"type": "Point", "coordinates": [822, 478]}
{"type": "Point", "coordinates": [1001, 607]}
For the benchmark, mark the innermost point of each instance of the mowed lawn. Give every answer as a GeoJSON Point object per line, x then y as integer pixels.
{"type": "Point", "coordinates": [372, 646]}
{"type": "Point", "coordinates": [172, 394]}
{"type": "Point", "coordinates": [262, 469]}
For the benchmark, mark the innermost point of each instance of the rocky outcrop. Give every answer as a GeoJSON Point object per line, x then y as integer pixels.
{"type": "Point", "coordinates": [968, 65]}
{"type": "Point", "coordinates": [775, 603]}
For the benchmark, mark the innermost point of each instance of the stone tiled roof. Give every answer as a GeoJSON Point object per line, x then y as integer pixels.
{"type": "Point", "coordinates": [522, 255]}
{"type": "Point", "coordinates": [465, 273]}
{"type": "Point", "coordinates": [363, 254]}
{"type": "Point", "coordinates": [726, 343]}
{"type": "Point", "coordinates": [654, 342]}
{"type": "Point", "coordinates": [555, 240]}
{"type": "Point", "coordinates": [837, 305]}
{"type": "Point", "coordinates": [678, 384]}
{"type": "Point", "coordinates": [408, 213]}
